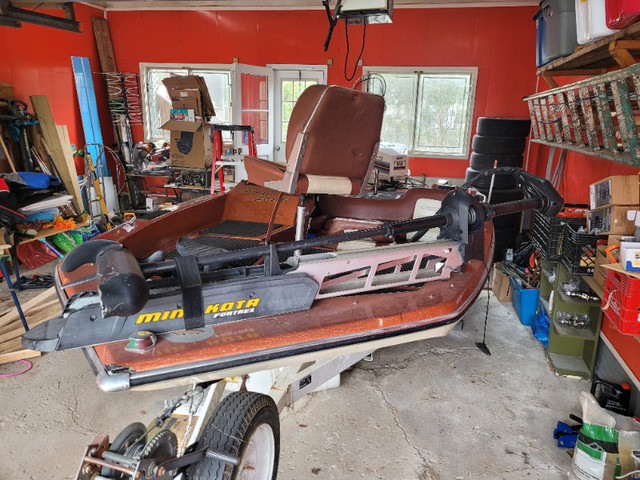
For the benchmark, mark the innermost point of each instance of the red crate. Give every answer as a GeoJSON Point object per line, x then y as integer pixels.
{"type": "Point", "coordinates": [622, 302]}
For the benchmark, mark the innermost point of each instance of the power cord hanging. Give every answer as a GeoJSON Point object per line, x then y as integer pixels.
{"type": "Point", "coordinates": [346, 58]}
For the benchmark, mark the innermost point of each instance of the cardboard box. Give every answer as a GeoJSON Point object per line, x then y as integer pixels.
{"type": "Point", "coordinates": [616, 190]}
{"type": "Point", "coordinates": [611, 220]}
{"type": "Point", "coordinates": [600, 273]}
{"type": "Point", "coordinates": [390, 165]}
{"type": "Point", "coordinates": [191, 144]}
{"type": "Point", "coordinates": [183, 114]}
{"type": "Point", "coordinates": [190, 92]}
{"type": "Point", "coordinates": [501, 284]}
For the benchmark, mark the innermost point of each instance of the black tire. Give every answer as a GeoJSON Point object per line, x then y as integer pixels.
{"type": "Point", "coordinates": [483, 161]}
{"type": "Point", "coordinates": [498, 145]}
{"type": "Point", "coordinates": [503, 127]}
{"type": "Point", "coordinates": [505, 239]}
{"type": "Point", "coordinates": [502, 181]}
{"type": "Point", "coordinates": [122, 442]}
{"type": "Point", "coordinates": [507, 222]}
{"type": "Point", "coordinates": [230, 430]}
{"type": "Point", "coordinates": [502, 196]}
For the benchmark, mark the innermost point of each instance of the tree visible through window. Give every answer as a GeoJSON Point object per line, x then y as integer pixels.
{"type": "Point", "coordinates": [291, 90]}
{"type": "Point", "coordinates": [428, 111]}
{"type": "Point", "coordinates": [158, 103]}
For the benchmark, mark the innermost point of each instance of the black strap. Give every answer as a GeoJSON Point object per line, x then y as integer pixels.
{"type": "Point", "coordinates": [191, 286]}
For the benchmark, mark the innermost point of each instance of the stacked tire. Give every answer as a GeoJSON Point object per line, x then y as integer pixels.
{"type": "Point", "coordinates": [499, 142]}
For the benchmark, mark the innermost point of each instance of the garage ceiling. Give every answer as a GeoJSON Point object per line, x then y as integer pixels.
{"type": "Point", "coordinates": [275, 4]}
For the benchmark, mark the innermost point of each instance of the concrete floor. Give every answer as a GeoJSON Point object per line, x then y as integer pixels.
{"type": "Point", "coordinates": [437, 409]}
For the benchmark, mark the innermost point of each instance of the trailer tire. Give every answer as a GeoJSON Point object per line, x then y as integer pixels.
{"type": "Point", "coordinates": [503, 127]}
{"type": "Point", "coordinates": [245, 425]}
{"type": "Point", "coordinates": [482, 161]}
{"type": "Point", "coordinates": [502, 195]}
{"type": "Point", "coordinates": [498, 145]}
{"type": "Point", "coordinates": [502, 180]}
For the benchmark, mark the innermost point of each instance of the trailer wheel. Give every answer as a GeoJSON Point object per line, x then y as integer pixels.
{"type": "Point", "coordinates": [121, 443]}
{"type": "Point", "coordinates": [245, 425]}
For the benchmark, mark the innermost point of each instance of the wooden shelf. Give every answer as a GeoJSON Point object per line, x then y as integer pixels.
{"type": "Point", "coordinates": [601, 55]}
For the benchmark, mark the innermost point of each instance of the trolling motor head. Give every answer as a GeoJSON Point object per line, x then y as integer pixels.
{"type": "Point", "coordinates": [550, 202]}
{"type": "Point", "coordinates": [122, 287]}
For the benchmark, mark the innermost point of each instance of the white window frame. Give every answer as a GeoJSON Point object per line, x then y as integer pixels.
{"type": "Point", "coordinates": [472, 71]}
{"type": "Point", "coordinates": [144, 68]}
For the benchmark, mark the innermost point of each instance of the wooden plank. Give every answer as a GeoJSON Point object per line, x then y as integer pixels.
{"type": "Point", "coordinates": [104, 44]}
{"type": "Point", "coordinates": [18, 355]}
{"type": "Point", "coordinates": [12, 314]}
{"type": "Point", "coordinates": [51, 309]}
{"type": "Point", "coordinates": [7, 155]}
{"type": "Point", "coordinates": [619, 50]}
{"type": "Point", "coordinates": [60, 149]}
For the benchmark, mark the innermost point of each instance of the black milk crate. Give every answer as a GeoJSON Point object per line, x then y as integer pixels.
{"type": "Point", "coordinates": [547, 233]}
{"type": "Point", "coordinates": [579, 250]}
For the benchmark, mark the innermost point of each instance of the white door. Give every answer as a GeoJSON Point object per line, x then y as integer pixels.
{"type": "Point", "coordinates": [290, 82]}
{"type": "Point", "coordinates": [252, 104]}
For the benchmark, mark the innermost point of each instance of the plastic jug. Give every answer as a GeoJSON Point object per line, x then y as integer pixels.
{"type": "Point", "coordinates": [611, 396]}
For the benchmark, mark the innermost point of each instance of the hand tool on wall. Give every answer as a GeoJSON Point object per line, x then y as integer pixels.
{"type": "Point", "coordinates": [18, 119]}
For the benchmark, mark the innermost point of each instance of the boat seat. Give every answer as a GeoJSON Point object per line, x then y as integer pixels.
{"type": "Point", "coordinates": [332, 142]}
{"type": "Point", "coordinates": [377, 209]}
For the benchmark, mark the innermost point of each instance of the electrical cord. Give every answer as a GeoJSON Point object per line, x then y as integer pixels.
{"type": "Point", "coordinates": [346, 58]}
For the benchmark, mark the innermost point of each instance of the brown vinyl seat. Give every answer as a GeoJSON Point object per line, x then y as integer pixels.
{"type": "Point", "coordinates": [332, 141]}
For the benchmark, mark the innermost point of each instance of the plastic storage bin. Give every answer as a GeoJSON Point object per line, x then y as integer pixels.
{"type": "Point", "coordinates": [541, 49]}
{"type": "Point", "coordinates": [525, 301]}
{"type": "Point", "coordinates": [591, 21]}
{"type": "Point", "coordinates": [622, 13]}
{"type": "Point", "coordinates": [622, 302]}
{"type": "Point", "coordinates": [559, 28]}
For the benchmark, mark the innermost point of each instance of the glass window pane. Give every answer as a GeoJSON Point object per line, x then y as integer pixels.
{"type": "Point", "coordinates": [287, 91]}
{"type": "Point", "coordinates": [219, 86]}
{"type": "Point", "coordinates": [159, 103]}
{"type": "Point", "coordinates": [291, 91]}
{"type": "Point", "coordinates": [400, 99]}
{"type": "Point", "coordinates": [442, 113]}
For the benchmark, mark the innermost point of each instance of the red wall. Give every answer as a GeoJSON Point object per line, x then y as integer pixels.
{"type": "Point", "coordinates": [501, 42]}
{"type": "Point", "coordinates": [37, 61]}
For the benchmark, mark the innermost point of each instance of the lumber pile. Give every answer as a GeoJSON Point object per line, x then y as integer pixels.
{"type": "Point", "coordinates": [36, 311]}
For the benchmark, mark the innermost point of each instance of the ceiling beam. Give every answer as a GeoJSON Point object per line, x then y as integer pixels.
{"type": "Point", "coordinates": [9, 12]}
{"type": "Point", "coordinates": [141, 5]}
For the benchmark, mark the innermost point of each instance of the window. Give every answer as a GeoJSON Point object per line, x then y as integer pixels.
{"type": "Point", "coordinates": [429, 110]}
{"type": "Point", "coordinates": [291, 91]}
{"type": "Point", "coordinates": [157, 102]}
